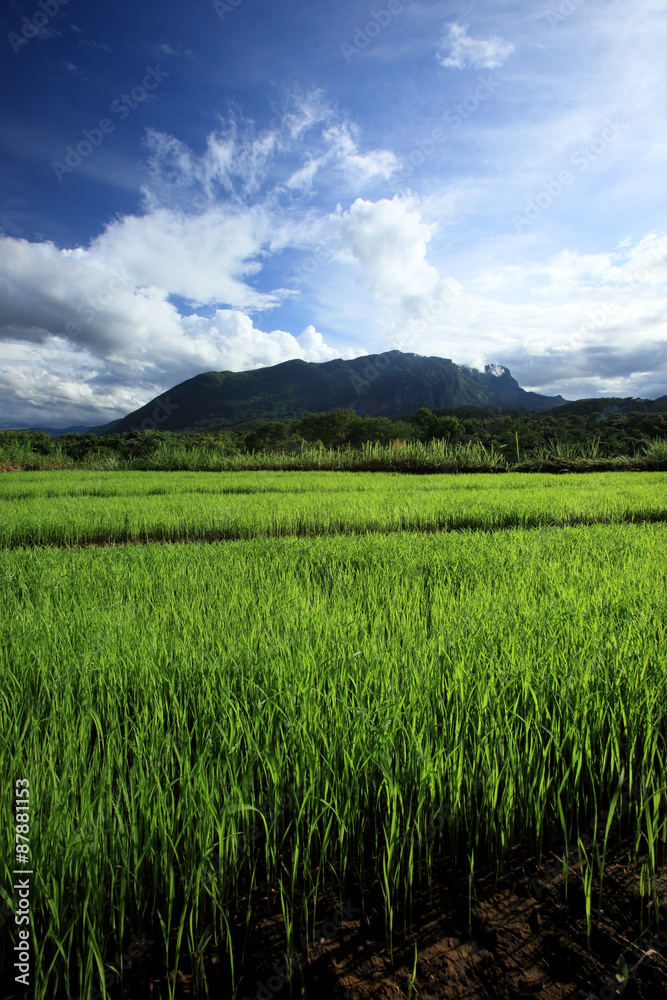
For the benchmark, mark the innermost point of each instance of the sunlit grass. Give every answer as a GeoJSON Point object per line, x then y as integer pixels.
{"type": "Point", "coordinates": [355, 690]}
{"type": "Point", "coordinates": [181, 454]}
{"type": "Point", "coordinates": [75, 507]}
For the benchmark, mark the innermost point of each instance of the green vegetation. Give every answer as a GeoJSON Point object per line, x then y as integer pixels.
{"type": "Point", "coordinates": [72, 508]}
{"type": "Point", "coordinates": [181, 452]}
{"type": "Point", "coordinates": [388, 384]}
{"type": "Point", "coordinates": [465, 439]}
{"type": "Point", "coordinates": [288, 717]}
{"type": "Point", "coordinates": [197, 719]}
{"type": "Point", "coordinates": [562, 432]}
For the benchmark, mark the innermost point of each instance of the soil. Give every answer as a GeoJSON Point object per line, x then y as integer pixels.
{"type": "Point", "coordinates": [522, 937]}
{"type": "Point", "coordinates": [409, 467]}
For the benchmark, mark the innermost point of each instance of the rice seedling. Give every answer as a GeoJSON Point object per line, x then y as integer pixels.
{"type": "Point", "coordinates": [586, 869]}
{"type": "Point", "coordinates": [413, 977]}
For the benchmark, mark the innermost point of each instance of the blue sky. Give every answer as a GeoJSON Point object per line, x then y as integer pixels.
{"type": "Point", "coordinates": [228, 185]}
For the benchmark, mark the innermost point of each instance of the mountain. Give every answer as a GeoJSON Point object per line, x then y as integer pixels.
{"type": "Point", "coordinates": [608, 405]}
{"type": "Point", "coordinates": [380, 385]}
{"type": "Point", "coordinates": [104, 428]}
{"type": "Point", "coordinates": [57, 431]}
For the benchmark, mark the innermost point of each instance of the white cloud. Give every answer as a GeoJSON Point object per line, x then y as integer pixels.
{"type": "Point", "coordinates": [57, 383]}
{"type": "Point", "coordinates": [206, 258]}
{"type": "Point", "coordinates": [230, 341]}
{"type": "Point", "coordinates": [579, 324]}
{"type": "Point", "coordinates": [575, 324]}
{"type": "Point", "coordinates": [343, 142]}
{"type": "Point", "coordinates": [302, 179]}
{"type": "Point", "coordinates": [343, 156]}
{"type": "Point", "coordinates": [569, 322]}
{"type": "Point", "coordinates": [84, 343]}
{"type": "Point", "coordinates": [245, 166]}
{"type": "Point", "coordinates": [383, 246]}
{"type": "Point", "coordinates": [389, 240]}
{"type": "Point", "coordinates": [312, 344]}
{"type": "Point", "coordinates": [92, 332]}
{"type": "Point", "coordinates": [474, 53]}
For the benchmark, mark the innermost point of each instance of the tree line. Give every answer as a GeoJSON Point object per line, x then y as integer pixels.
{"type": "Point", "coordinates": [518, 433]}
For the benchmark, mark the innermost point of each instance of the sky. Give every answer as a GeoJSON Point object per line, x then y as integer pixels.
{"type": "Point", "coordinates": [188, 187]}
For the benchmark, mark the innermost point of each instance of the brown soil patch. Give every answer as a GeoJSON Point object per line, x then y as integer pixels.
{"type": "Point", "coordinates": [525, 938]}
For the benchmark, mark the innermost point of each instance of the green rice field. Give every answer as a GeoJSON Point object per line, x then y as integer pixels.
{"type": "Point", "coordinates": [332, 686]}
{"type": "Point", "coordinates": [67, 508]}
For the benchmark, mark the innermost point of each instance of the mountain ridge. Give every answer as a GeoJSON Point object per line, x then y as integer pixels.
{"type": "Point", "coordinates": [380, 385]}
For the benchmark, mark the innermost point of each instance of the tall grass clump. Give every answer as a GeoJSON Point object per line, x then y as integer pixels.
{"type": "Point", "coordinates": [178, 453]}
{"type": "Point", "coordinates": [656, 450]}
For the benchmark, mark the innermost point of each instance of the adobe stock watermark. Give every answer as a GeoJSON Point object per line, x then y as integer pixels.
{"type": "Point", "coordinates": [307, 267]}
{"type": "Point", "coordinates": [435, 306]}
{"type": "Point", "coordinates": [328, 931]}
{"type": "Point", "coordinates": [87, 311]}
{"type": "Point", "coordinates": [373, 371]}
{"type": "Point", "coordinates": [228, 7]}
{"type": "Point", "coordinates": [34, 26]}
{"type": "Point", "coordinates": [122, 963]}
{"type": "Point", "coordinates": [93, 138]}
{"type": "Point", "coordinates": [161, 412]}
{"type": "Point", "coordinates": [430, 310]}
{"type": "Point", "coordinates": [556, 15]}
{"type": "Point", "coordinates": [648, 949]}
{"type": "Point", "coordinates": [453, 118]}
{"type": "Point", "coordinates": [598, 317]}
{"type": "Point", "coordinates": [582, 158]}
{"type": "Point", "coordinates": [364, 35]}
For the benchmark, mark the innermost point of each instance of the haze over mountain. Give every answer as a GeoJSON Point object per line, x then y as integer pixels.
{"type": "Point", "coordinates": [387, 385]}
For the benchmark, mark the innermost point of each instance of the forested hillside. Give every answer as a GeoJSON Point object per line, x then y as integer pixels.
{"type": "Point", "coordinates": [593, 433]}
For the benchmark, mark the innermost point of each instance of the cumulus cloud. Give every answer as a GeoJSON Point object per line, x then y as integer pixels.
{"type": "Point", "coordinates": [92, 332]}
{"type": "Point", "coordinates": [60, 388]}
{"type": "Point", "coordinates": [474, 53]}
{"type": "Point", "coordinates": [61, 382]}
{"type": "Point", "coordinates": [206, 258]}
{"type": "Point", "coordinates": [576, 324]}
{"type": "Point", "coordinates": [570, 323]}
{"type": "Point", "coordinates": [389, 240]}
{"type": "Point", "coordinates": [387, 243]}
{"type": "Point", "coordinates": [85, 343]}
